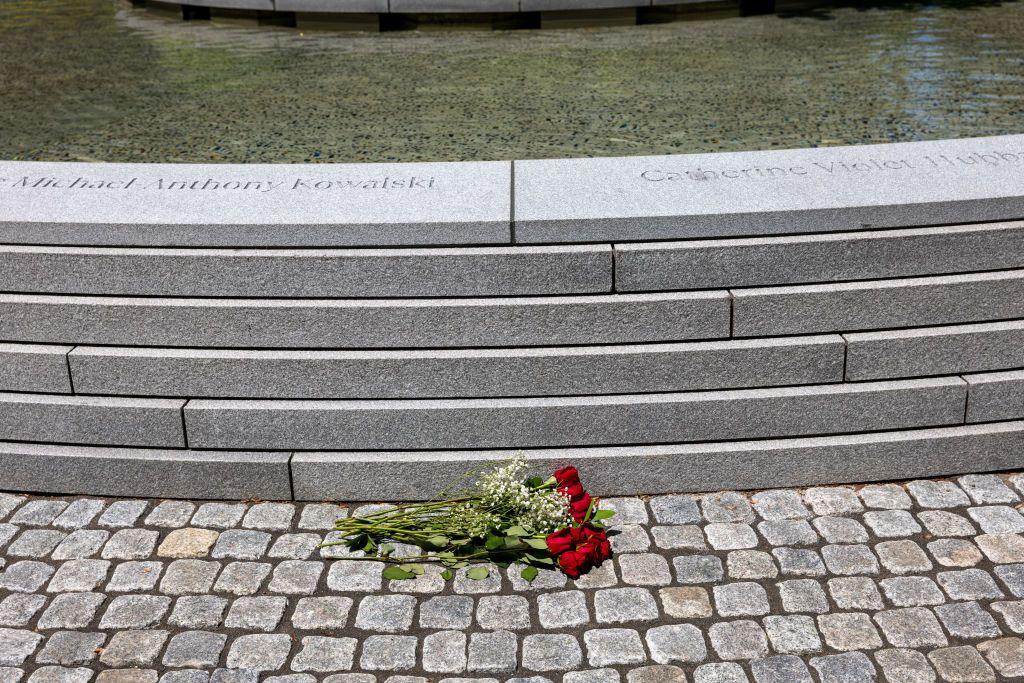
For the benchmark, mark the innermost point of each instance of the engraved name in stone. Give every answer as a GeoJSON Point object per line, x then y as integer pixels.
{"type": "Point", "coordinates": [1000, 159]}
{"type": "Point", "coordinates": [410, 182]}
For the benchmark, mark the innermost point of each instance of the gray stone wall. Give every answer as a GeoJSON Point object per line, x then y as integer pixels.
{"type": "Point", "coordinates": [370, 331]}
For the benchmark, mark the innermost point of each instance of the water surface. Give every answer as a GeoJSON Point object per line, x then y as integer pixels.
{"type": "Point", "coordinates": [100, 80]}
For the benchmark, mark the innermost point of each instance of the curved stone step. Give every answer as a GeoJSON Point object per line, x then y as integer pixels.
{"type": "Point", "coordinates": [878, 304]}
{"type": "Point", "coordinates": [884, 456]}
{"type": "Point", "coordinates": [550, 371]}
{"type": "Point", "coordinates": [145, 472]}
{"type": "Point", "coordinates": [319, 273]}
{"type": "Point", "coordinates": [99, 420]}
{"type": "Point", "coordinates": [947, 350]}
{"type": "Point", "coordinates": [368, 323]}
{"type": "Point", "coordinates": [791, 259]}
{"type": "Point", "coordinates": [995, 396]}
{"type": "Point", "coordinates": [575, 421]}
{"type": "Point", "coordinates": [35, 367]}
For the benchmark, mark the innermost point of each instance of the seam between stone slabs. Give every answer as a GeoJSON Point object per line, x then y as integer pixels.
{"type": "Point", "coordinates": [615, 276]}
{"type": "Point", "coordinates": [967, 399]}
{"type": "Point", "coordinates": [512, 195]}
{"type": "Point", "coordinates": [67, 362]}
{"type": "Point", "coordinates": [184, 423]}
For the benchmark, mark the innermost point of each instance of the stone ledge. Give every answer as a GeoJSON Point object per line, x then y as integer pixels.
{"type": "Point", "coordinates": [144, 472]}
{"type": "Point", "coordinates": [367, 323]}
{"type": "Point", "coordinates": [34, 367]}
{"type": "Point", "coordinates": [995, 396]}
{"type": "Point", "coordinates": [252, 205]}
{"type": "Point", "coordinates": [948, 350]}
{"type": "Point", "coordinates": [307, 273]}
{"type": "Point", "coordinates": [680, 468]}
{"type": "Point", "coordinates": [796, 259]}
{"type": "Point", "coordinates": [878, 304]}
{"type": "Point", "coordinates": [97, 420]}
{"type": "Point", "coordinates": [515, 423]}
{"type": "Point", "coordinates": [211, 373]}
{"type": "Point", "coordinates": [826, 189]}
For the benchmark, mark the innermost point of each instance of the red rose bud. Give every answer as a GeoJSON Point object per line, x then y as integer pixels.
{"type": "Point", "coordinates": [573, 491]}
{"type": "Point", "coordinates": [579, 506]}
{"type": "Point", "coordinates": [574, 564]}
{"type": "Point", "coordinates": [567, 476]}
{"type": "Point", "coordinates": [562, 540]}
{"type": "Point", "coordinates": [596, 542]}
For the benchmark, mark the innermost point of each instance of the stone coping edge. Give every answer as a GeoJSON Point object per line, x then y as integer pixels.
{"type": "Point", "coordinates": [544, 201]}
{"type": "Point", "coordinates": [361, 476]}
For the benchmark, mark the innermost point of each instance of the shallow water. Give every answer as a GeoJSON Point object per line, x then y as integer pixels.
{"type": "Point", "coordinates": [100, 80]}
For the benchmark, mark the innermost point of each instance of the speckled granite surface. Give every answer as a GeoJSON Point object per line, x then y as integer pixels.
{"type": "Point", "coordinates": [98, 80]}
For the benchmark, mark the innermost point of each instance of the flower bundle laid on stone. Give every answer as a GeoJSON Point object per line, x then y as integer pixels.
{"type": "Point", "coordinates": [504, 519]}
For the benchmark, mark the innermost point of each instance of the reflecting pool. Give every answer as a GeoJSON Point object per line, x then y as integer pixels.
{"type": "Point", "coordinates": [101, 80]}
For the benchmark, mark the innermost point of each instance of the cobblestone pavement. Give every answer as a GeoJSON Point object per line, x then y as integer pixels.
{"type": "Point", "coordinates": [915, 582]}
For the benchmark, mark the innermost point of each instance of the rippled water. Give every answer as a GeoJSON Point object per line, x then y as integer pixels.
{"type": "Point", "coordinates": [99, 80]}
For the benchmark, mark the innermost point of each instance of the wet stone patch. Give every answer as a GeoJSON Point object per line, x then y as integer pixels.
{"type": "Point", "coordinates": [921, 581]}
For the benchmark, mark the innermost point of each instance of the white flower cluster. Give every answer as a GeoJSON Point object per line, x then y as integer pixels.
{"type": "Point", "coordinates": [539, 512]}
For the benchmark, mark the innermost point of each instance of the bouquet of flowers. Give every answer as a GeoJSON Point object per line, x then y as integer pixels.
{"type": "Point", "coordinates": [503, 519]}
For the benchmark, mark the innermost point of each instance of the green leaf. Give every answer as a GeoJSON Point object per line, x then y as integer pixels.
{"type": "Point", "coordinates": [438, 541]}
{"type": "Point", "coordinates": [387, 549]}
{"type": "Point", "coordinates": [539, 559]}
{"type": "Point", "coordinates": [447, 575]}
{"type": "Point", "coordinates": [534, 482]}
{"type": "Point", "coordinates": [602, 514]}
{"type": "Point", "coordinates": [397, 574]}
{"type": "Point", "coordinates": [516, 531]}
{"type": "Point", "coordinates": [538, 543]}
{"type": "Point", "coordinates": [416, 569]}
{"type": "Point", "coordinates": [513, 543]}
{"type": "Point", "coordinates": [478, 573]}
{"type": "Point", "coordinates": [529, 574]}
{"type": "Point", "coordinates": [494, 542]}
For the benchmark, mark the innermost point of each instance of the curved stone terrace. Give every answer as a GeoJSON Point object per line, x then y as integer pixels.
{"type": "Point", "coordinates": [887, 582]}
{"type": "Point", "coordinates": [363, 331]}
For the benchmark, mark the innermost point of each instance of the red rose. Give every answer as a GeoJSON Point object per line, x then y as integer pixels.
{"type": "Point", "coordinates": [562, 540]}
{"type": "Point", "coordinates": [578, 507]}
{"type": "Point", "coordinates": [596, 542]}
{"type": "Point", "coordinates": [578, 549]}
{"type": "Point", "coordinates": [572, 490]}
{"type": "Point", "coordinates": [567, 476]}
{"type": "Point", "coordinates": [574, 563]}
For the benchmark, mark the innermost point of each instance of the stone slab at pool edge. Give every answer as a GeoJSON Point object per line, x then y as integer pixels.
{"type": "Point", "coordinates": [758, 193]}
{"type": "Point", "coordinates": [254, 204]}
{"type": "Point", "coordinates": [563, 200]}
